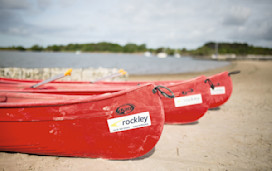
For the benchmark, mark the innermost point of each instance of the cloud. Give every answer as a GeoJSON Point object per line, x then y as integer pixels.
{"type": "Point", "coordinates": [15, 4]}
{"type": "Point", "coordinates": [13, 15]}
{"type": "Point", "coordinates": [172, 23]}
{"type": "Point", "coordinates": [8, 20]}
{"type": "Point", "coordinates": [238, 16]}
{"type": "Point", "coordinates": [250, 24]}
{"type": "Point", "coordinates": [259, 34]}
{"type": "Point", "coordinates": [43, 4]}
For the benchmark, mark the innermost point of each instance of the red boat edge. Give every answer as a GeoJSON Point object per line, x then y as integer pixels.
{"type": "Point", "coordinates": [190, 102]}
{"type": "Point", "coordinates": [192, 97]}
{"type": "Point", "coordinates": [221, 90]}
{"type": "Point", "coordinates": [219, 95]}
{"type": "Point", "coordinates": [186, 107]}
{"type": "Point", "coordinates": [122, 125]}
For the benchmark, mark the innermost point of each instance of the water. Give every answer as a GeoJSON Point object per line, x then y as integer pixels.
{"type": "Point", "coordinates": [132, 63]}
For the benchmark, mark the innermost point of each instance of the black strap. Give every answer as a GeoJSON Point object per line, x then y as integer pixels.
{"type": "Point", "coordinates": [234, 72]}
{"type": "Point", "coordinates": [210, 83]}
{"type": "Point", "coordinates": [158, 88]}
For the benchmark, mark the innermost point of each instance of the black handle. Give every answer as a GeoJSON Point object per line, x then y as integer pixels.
{"type": "Point", "coordinates": [158, 88]}
{"type": "Point", "coordinates": [210, 83]}
{"type": "Point", "coordinates": [234, 72]}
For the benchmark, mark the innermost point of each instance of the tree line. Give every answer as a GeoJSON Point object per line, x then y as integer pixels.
{"type": "Point", "coordinates": [241, 49]}
{"type": "Point", "coordinates": [206, 50]}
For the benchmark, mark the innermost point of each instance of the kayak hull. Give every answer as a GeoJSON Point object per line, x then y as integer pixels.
{"type": "Point", "coordinates": [190, 102]}
{"type": "Point", "coordinates": [222, 82]}
{"type": "Point", "coordinates": [222, 89]}
{"type": "Point", "coordinates": [174, 111]}
{"type": "Point", "coordinates": [89, 127]}
{"type": "Point", "coordinates": [177, 110]}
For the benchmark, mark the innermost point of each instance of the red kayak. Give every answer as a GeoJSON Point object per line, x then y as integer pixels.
{"type": "Point", "coordinates": [221, 87]}
{"type": "Point", "coordinates": [189, 105]}
{"type": "Point", "coordinates": [122, 125]}
{"type": "Point", "coordinates": [63, 88]}
{"type": "Point", "coordinates": [190, 102]}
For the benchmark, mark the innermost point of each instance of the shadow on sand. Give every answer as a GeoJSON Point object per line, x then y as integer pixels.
{"type": "Point", "coordinates": [150, 153]}
{"type": "Point", "coordinates": [214, 109]}
{"type": "Point", "coordinates": [184, 124]}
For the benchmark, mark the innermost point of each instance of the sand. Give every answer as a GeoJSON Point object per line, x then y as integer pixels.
{"type": "Point", "coordinates": [237, 136]}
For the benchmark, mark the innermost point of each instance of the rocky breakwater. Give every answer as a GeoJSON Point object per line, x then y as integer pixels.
{"type": "Point", "coordinates": [78, 74]}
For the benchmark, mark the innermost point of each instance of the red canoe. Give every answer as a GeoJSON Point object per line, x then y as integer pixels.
{"type": "Point", "coordinates": [221, 88]}
{"type": "Point", "coordinates": [122, 125]}
{"type": "Point", "coordinates": [218, 96]}
{"type": "Point", "coordinates": [189, 105]}
{"type": "Point", "coordinates": [190, 102]}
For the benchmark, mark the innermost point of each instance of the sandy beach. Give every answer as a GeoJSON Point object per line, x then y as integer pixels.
{"type": "Point", "coordinates": [237, 136]}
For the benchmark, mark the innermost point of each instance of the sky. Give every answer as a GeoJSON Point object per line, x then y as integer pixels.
{"type": "Point", "coordinates": [156, 23]}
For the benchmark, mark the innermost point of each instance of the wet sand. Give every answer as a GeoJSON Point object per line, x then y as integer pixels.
{"type": "Point", "coordinates": [237, 136]}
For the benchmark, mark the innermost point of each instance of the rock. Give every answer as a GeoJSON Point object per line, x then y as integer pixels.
{"type": "Point", "coordinates": [79, 74]}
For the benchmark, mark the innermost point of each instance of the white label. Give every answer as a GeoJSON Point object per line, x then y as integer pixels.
{"type": "Point", "coordinates": [218, 90]}
{"type": "Point", "coordinates": [129, 122]}
{"type": "Point", "coordinates": [188, 100]}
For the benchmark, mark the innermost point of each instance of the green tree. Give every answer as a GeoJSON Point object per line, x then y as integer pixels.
{"type": "Point", "coordinates": [130, 48]}
{"type": "Point", "coordinates": [36, 48]}
{"type": "Point", "coordinates": [159, 50]}
{"type": "Point", "coordinates": [54, 48]}
{"type": "Point", "coordinates": [20, 48]}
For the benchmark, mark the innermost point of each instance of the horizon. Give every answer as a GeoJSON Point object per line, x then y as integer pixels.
{"type": "Point", "coordinates": [174, 24]}
{"type": "Point", "coordinates": [46, 46]}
